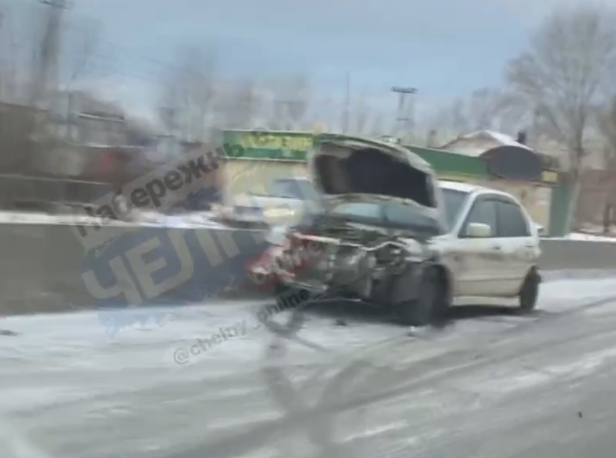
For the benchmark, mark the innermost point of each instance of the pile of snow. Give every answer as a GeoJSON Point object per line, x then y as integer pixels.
{"type": "Point", "coordinates": [201, 219]}
{"type": "Point", "coordinates": [43, 218]}
{"type": "Point", "coordinates": [585, 237]}
{"type": "Point", "coordinates": [590, 237]}
{"type": "Point", "coordinates": [503, 139]}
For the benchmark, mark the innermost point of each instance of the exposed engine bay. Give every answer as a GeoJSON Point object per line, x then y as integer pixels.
{"type": "Point", "coordinates": [352, 259]}
{"type": "Point", "coordinates": [380, 210]}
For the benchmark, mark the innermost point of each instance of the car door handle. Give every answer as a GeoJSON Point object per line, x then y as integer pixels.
{"type": "Point", "coordinates": [496, 248]}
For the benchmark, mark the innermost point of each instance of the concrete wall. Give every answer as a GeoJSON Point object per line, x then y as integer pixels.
{"type": "Point", "coordinates": [43, 266]}
{"type": "Point", "coordinates": [577, 255]}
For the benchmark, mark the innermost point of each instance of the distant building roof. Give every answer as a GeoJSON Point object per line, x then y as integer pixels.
{"type": "Point", "coordinates": [501, 139]}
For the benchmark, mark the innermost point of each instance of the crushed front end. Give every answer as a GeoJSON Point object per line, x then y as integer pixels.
{"type": "Point", "coordinates": [335, 256]}
{"type": "Point", "coordinates": [350, 260]}
{"type": "Point", "coordinates": [380, 210]}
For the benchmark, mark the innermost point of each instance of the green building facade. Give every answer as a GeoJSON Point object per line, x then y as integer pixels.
{"type": "Point", "coordinates": [264, 147]}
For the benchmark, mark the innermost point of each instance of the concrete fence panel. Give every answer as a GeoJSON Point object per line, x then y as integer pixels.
{"type": "Point", "coordinates": [44, 267]}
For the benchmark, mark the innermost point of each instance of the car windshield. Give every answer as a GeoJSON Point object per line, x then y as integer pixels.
{"type": "Point", "coordinates": [453, 201]}
{"type": "Point", "coordinates": [387, 214]}
{"type": "Point", "coordinates": [293, 189]}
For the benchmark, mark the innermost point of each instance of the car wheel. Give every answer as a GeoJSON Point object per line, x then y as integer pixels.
{"type": "Point", "coordinates": [529, 293]}
{"type": "Point", "coordinates": [431, 302]}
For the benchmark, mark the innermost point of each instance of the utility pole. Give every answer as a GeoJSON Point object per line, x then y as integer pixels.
{"type": "Point", "coordinates": [534, 129]}
{"type": "Point", "coordinates": [347, 104]}
{"type": "Point", "coordinates": [46, 77]}
{"type": "Point", "coordinates": [283, 110]}
{"type": "Point", "coordinates": [3, 80]}
{"type": "Point", "coordinates": [404, 118]}
{"type": "Point", "coordinates": [14, 88]}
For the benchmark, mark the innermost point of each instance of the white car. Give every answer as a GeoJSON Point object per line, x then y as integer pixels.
{"type": "Point", "coordinates": [286, 201]}
{"type": "Point", "coordinates": [391, 234]}
{"type": "Point", "coordinates": [491, 248]}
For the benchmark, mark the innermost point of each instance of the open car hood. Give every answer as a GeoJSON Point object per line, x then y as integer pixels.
{"type": "Point", "coordinates": [354, 169]}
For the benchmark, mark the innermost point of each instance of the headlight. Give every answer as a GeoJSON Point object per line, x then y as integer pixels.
{"type": "Point", "coordinates": [278, 213]}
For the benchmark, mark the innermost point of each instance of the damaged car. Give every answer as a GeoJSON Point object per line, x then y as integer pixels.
{"type": "Point", "coordinates": [381, 207]}
{"type": "Point", "coordinates": [392, 235]}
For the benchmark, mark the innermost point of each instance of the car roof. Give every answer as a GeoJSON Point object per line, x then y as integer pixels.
{"type": "Point", "coordinates": [469, 188]}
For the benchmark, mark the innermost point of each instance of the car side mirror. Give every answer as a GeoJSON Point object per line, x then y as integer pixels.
{"type": "Point", "coordinates": [540, 230]}
{"type": "Point", "coordinates": [478, 230]}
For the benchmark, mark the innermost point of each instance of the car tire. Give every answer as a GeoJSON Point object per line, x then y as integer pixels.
{"type": "Point", "coordinates": [431, 303]}
{"type": "Point", "coordinates": [529, 293]}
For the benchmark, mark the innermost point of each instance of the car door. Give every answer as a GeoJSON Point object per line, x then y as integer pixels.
{"type": "Point", "coordinates": [518, 245]}
{"type": "Point", "coordinates": [479, 260]}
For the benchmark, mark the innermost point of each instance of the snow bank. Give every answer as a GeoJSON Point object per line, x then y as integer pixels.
{"type": "Point", "coordinates": [202, 219]}
{"type": "Point", "coordinates": [585, 237]}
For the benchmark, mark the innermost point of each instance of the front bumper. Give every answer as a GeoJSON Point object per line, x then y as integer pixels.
{"type": "Point", "coordinates": [261, 271]}
{"type": "Point", "coordinates": [276, 267]}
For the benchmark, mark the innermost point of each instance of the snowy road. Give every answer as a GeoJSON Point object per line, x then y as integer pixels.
{"type": "Point", "coordinates": [490, 385]}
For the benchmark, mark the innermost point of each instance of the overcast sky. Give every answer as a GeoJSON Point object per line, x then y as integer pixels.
{"type": "Point", "coordinates": [445, 48]}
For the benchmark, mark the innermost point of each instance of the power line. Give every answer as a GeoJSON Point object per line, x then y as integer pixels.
{"type": "Point", "coordinates": [73, 20]}
{"type": "Point", "coordinates": [124, 49]}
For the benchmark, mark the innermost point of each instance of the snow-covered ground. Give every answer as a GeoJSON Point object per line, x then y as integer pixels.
{"type": "Point", "coordinates": [45, 344]}
{"type": "Point", "coordinates": [201, 219]}
{"type": "Point", "coordinates": [69, 389]}
{"type": "Point", "coordinates": [589, 237]}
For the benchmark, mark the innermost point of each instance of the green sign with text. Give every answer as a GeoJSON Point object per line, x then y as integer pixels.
{"type": "Point", "coordinates": [290, 146]}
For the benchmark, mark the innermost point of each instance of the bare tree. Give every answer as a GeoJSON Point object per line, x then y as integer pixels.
{"type": "Point", "coordinates": [606, 122]}
{"type": "Point", "coordinates": [8, 78]}
{"type": "Point", "coordinates": [491, 108]}
{"type": "Point", "coordinates": [291, 101]}
{"type": "Point", "coordinates": [298, 106]}
{"type": "Point", "coordinates": [188, 93]}
{"type": "Point", "coordinates": [484, 105]}
{"type": "Point", "coordinates": [459, 119]}
{"type": "Point", "coordinates": [360, 115]}
{"type": "Point", "coordinates": [377, 128]}
{"type": "Point", "coordinates": [83, 52]}
{"type": "Point", "coordinates": [326, 111]}
{"type": "Point", "coordinates": [486, 108]}
{"type": "Point", "coordinates": [561, 75]}
{"type": "Point", "coordinates": [242, 104]}
{"type": "Point", "coordinates": [432, 138]}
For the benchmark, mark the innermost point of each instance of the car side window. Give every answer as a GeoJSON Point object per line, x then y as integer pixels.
{"type": "Point", "coordinates": [511, 220]}
{"type": "Point", "coordinates": [483, 211]}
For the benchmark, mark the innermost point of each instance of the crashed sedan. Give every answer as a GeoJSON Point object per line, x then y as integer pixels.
{"type": "Point", "coordinates": [381, 206]}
